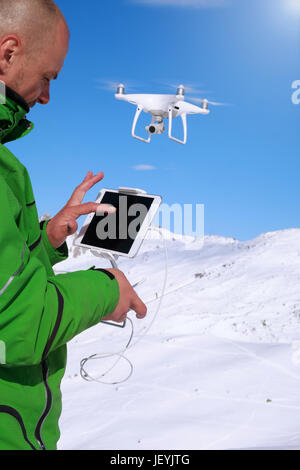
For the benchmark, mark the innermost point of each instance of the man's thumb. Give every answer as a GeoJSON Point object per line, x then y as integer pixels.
{"type": "Point", "coordinates": [138, 306]}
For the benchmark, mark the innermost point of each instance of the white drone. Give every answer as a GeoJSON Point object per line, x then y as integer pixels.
{"type": "Point", "coordinates": [162, 106]}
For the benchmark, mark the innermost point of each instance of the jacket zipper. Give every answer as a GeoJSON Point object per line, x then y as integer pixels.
{"type": "Point", "coordinates": [45, 371]}
{"type": "Point", "coordinates": [49, 400]}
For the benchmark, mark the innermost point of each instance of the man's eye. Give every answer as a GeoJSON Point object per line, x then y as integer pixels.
{"type": "Point", "coordinates": [47, 79]}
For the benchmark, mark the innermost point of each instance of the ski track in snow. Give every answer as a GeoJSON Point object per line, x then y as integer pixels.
{"type": "Point", "coordinates": [220, 366]}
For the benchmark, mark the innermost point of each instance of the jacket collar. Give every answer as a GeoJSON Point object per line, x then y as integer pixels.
{"type": "Point", "coordinates": [12, 95]}
{"type": "Point", "coordinates": [13, 122]}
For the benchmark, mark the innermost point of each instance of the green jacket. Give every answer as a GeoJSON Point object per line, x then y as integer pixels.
{"type": "Point", "coordinates": [39, 312]}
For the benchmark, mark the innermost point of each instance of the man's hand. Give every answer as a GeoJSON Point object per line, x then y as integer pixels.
{"type": "Point", "coordinates": [64, 223]}
{"type": "Point", "coordinates": [129, 300]}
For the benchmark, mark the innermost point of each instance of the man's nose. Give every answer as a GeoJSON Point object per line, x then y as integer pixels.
{"type": "Point", "coordinates": [44, 97]}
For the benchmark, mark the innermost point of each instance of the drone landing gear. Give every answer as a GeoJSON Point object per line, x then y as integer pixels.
{"type": "Point", "coordinates": [184, 122]}
{"type": "Point", "coordinates": [157, 126]}
{"type": "Point", "coordinates": [136, 118]}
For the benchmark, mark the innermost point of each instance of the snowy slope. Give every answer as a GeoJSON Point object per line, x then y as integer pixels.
{"type": "Point", "coordinates": [220, 366]}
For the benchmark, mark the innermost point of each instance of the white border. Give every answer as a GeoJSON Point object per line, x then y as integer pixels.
{"type": "Point", "coordinates": [157, 200]}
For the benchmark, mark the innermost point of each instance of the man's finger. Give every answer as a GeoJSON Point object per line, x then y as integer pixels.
{"type": "Point", "coordinates": [88, 175]}
{"type": "Point", "coordinates": [89, 207]}
{"type": "Point", "coordinates": [138, 306]}
{"type": "Point", "coordinates": [105, 209]}
{"type": "Point", "coordinates": [81, 190]}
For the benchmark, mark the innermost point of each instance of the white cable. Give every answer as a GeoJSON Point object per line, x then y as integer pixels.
{"type": "Point", "coordinates": [89, 378]}
{"type": "Point", "coordinates": [163, 289]}
{"type": "Point", "coordinates": [121, 353]}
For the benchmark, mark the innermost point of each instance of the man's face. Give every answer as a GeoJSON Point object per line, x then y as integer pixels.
{"type": "Point", "coordinates": [32, 80]}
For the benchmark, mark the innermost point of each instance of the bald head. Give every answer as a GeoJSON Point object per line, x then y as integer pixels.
{"type": "Point", "coordinates": [34, 41]}
{"type": "Point", "coordinates": [34, 21]}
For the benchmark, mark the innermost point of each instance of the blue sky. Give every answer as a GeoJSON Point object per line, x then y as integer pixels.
{"type": "Point", "coordinates": [242, 161]}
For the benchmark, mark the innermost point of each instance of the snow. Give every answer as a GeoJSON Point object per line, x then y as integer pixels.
{"type": "Point", "coordinates": [219, 367]}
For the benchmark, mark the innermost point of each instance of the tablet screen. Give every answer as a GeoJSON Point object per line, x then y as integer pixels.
{"type": "Point", "coordinates": [117, 232]}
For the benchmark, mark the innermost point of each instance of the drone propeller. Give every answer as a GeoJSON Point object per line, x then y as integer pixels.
{"type": "Point", "coordinates": [111, 85]}
{"type": "Point", "coordinates": [206, 102]}
{"type": "Point", "coordinates": [108, 85]}
{"type": "Point", "coordinates": [192, 89]}
{"type": "Point", "coordinates": [188, 87]}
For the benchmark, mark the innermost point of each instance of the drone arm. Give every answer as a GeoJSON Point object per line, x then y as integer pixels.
{"type": "Point", "coordinates": [136, 117]}
{"type": "Point", "coordinates": [184, 122]}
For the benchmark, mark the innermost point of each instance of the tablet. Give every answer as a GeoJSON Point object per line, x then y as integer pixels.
{"type": "Point", "coordinates": [123, 232]}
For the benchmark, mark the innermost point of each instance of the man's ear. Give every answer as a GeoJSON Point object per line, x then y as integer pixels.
{"type": "Point", "coordinates": [10, 48]}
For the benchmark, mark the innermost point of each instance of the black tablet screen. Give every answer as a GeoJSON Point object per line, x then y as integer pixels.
{"type": "Point", "coordinates": [117, 232]}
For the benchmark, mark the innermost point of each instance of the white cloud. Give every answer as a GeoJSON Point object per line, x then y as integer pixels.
{"type": "Point", "coordinates": [144, 168]}
{"type": "Point", "coordinates": [183, 3]}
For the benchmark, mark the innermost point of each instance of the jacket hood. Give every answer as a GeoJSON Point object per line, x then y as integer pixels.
{"type": "Point", "coordinates": [13, 122]}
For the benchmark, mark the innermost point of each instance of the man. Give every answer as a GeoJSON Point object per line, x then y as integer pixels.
{"type": "Point", "coordinates": [40, 312]}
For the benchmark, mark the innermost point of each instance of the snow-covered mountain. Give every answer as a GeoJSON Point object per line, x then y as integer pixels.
{"type": "Point", "coordinates": [219, 367]}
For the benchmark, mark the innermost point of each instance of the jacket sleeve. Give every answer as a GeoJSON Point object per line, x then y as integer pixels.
{"type": "Point", "coordinates": [55, 256]}
{"type": "Point", "coordinates": [37, 313]}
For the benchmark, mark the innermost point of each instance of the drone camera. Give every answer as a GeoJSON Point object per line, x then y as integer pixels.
{"type": "Point", "coordinates": [156, 128]}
